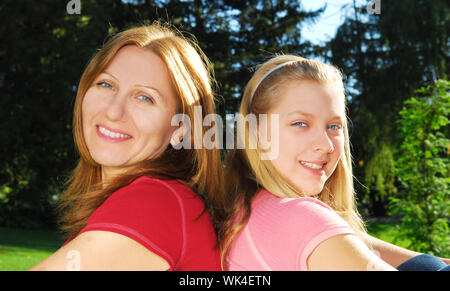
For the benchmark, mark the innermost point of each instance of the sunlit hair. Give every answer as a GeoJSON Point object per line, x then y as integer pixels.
{"type": "Point", "coordinates": [246, 173]}
{"type": "Point", "coordinates": [199, 169]}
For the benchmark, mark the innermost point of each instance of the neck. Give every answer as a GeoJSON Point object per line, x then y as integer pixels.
{"type": "Point", "coordinates": [108, 173]}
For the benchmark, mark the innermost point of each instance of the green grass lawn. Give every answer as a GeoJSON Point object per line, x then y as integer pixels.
{"type": "Point", "coordinates": [22, 249]}
{"type": "Point", "coordinates": [387, 230]}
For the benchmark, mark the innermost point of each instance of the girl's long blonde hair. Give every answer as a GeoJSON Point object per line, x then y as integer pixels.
{"type": "Point", "coordinates": [199, 169]}
{"type": "Point", "coordinates": [246, 173]}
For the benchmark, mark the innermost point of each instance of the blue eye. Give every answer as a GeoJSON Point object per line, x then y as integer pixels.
{"type": "Point", "coordinates": [145, 98]}
{"type": "Point", "coordinates": [300, 124]}
{"type": "Point", "coordinates": [335, 127]}
{"type": "Point", "coordinates": [105, 85]}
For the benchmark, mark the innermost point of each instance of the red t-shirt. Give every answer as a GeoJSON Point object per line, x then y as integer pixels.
{"type": "Point", "coordinates": [163, 216]}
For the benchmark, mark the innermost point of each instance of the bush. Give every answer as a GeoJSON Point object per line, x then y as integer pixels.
{"type": "Point", "coordinates": [421, 165]}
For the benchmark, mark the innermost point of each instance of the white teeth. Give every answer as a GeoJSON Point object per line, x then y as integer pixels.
{"type": "Point", "coordinates": [112, 134]}
{"type": "Point", "coordinates": [312, 166]}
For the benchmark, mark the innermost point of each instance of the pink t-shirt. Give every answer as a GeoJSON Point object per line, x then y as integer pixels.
{"type": "Point", "coordinates": [282, 232]}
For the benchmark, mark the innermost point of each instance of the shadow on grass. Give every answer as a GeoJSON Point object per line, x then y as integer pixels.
{"type": "Point", "coordinates": [41, 240]}
{"type": "Point", "coordinates": [22, 249]}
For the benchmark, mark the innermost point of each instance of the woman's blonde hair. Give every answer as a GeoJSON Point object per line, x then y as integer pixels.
{"type": "Point", "coordinates": [199, 169]}
{"type": "Point", "coordinates": [246, 173]}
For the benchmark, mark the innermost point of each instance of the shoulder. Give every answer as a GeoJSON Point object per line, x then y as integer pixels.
{"type": "Point", "coordinates": [152, 188]}
{"type": "Point", "coordinates": [277, 231]}
{"type": "Point", "coordinates": [148, 201]}
{"type": "Point", "coordinates": [294, 210]}
{"type": "Point", "coordinates": [152, 212]}
{"type": "Point", "coordinates": [296, 227]}
{"type": "Point", "coordinates": [296, 217]}
{"type": "Point", "coordinates": [152, 192]}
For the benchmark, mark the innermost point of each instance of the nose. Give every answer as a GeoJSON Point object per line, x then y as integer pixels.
{"type": "Point", "coordinates": [323, 143]}
{"type": "Point", "coordinates": [116, 109]}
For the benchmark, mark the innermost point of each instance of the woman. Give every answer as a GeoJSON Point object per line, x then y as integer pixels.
{"type": "Point", "coordinates": [296, 210]}
{"type": "Point", "coordinates": [134, 202]}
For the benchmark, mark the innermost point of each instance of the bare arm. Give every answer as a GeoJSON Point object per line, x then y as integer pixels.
{"type": "Point", "coordinates": [103, 250]}
{"type": "Point", "coordinates": [345, 253]}
{"type": "Point", "coordinates": [392, 254]}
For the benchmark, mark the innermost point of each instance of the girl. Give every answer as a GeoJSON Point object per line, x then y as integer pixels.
{"type": "Point", "coordinates": [134, 202]}
{"type": "Point", "coordinates": [296, 210]}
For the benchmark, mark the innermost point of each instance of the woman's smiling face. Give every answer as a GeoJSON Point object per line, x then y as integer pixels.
{"type": "Point", "coordinates": [128, 108]}
{"type": "Point", "coordinates": [311, 138]}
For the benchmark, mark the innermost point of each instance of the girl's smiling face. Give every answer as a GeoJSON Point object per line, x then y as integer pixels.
{"type": "Point", "coordinates": [311, 138]}
{"type": "Point", "coordinates": [128, 108]}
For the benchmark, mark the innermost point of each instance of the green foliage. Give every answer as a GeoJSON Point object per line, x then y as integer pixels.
{"type": "Point", "coordinates": [422, 168]}
{"type": "Point", "coordinates": [379, 171]}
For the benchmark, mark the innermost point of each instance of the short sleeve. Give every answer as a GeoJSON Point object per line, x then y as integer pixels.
{"type": "Point", "coordinates": [320, 223]}
{"type": "Point", "coordinates": [147, 212]}
{"type": "Point", "coordinates": [282, 232]}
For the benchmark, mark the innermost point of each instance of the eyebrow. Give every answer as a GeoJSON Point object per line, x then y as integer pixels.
{"type": "Point", "coordinates": [111, 75]}
{"type": "Point", "coordinates": [312, 115]}
{"type": "Point", "coordinates": [136, 85]}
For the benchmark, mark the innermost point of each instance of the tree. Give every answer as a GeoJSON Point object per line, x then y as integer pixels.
{"type": "Point", "coordinates": [385, 58]}
{"type": "Point", "coordinates": [422, 167]}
